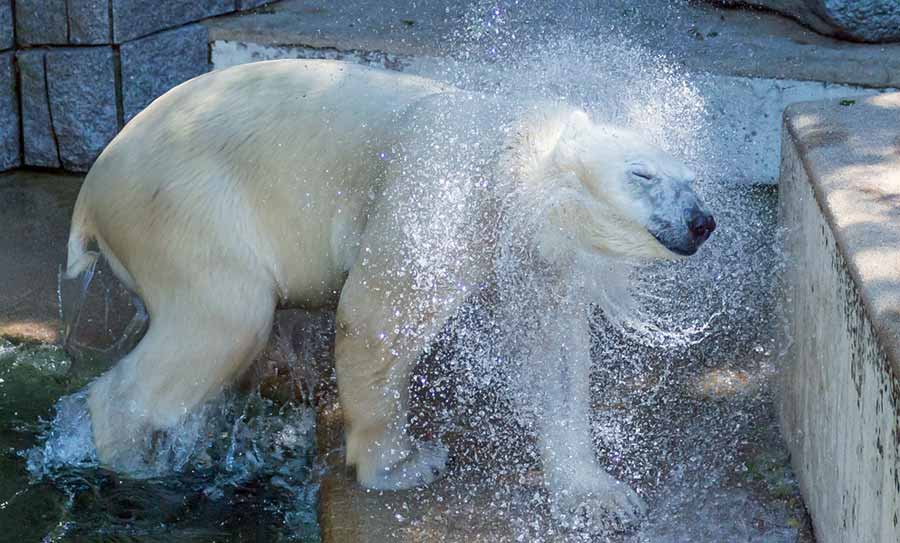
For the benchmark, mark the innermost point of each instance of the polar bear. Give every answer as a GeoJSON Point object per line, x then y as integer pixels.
{"type": "Point", "coordinates": [311, 183]}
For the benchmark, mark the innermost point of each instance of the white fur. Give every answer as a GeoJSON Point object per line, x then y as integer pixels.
{"type": "Point", "coordinates": [315, 183]}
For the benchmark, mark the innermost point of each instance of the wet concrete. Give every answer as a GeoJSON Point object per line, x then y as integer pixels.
{"type": "Point", "coordinates": [35, 209]}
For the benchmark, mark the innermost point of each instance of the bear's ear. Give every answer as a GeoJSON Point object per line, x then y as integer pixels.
{"type": "Point", "coordinates": [572, 146]}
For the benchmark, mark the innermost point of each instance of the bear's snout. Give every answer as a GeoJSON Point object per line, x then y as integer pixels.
{"type": "Point", "coordinates": [701, 225]}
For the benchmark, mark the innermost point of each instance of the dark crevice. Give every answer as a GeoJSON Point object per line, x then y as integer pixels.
{"type": "Point", "coordinates": [15, 37]}
{"type": "Point", "coordinates": [117, 75]}
{"type": "Point", "coordinates": [17, 74]}
{"type": "Point", "coordinates": [68, 23]}
{"type": "Point", "coordinates": [49, 109]}
{"type": "Point", "coordinates": [109, 11]}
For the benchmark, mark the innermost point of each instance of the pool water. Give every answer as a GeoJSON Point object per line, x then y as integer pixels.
{"type": "Point", "coordinates": [249, 475]}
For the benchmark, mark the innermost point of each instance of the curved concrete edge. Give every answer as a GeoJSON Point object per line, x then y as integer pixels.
{"type": "Point", "coordinates": [840, 401]}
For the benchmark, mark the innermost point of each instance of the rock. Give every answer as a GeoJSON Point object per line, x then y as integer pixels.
{"type": "Point", "coordinates": [37, 130]}
{"type": "Point", "coordinates": [155, 64]}
{"type": "Point", "coordinates": [859, 20]}
{"type": "Point", "coordinates": [82, 91]}
{"type": "Point", "coordinates": [89, 22]}
{"type": "Point", "coordinates": [135, 18]}
{"type": "Point", "coordinates": [9, 114]}
{"type": "Point", "coordinates": [41, 22]}
{"type": "Point", "coordinates": [7, 40]}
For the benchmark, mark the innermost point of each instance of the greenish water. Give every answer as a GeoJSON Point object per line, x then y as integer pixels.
{"type": "Point", "coordinates": [244, 472]}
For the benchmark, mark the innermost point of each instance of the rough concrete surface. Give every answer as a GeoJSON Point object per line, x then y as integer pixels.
{"type": "Point", "coordinates": [89, 22]}
{"type": "Point", "coordinates": [9, 113]}
{"type": "Point", "coordinates": [135, 18]}
{"type": "Point", "coordinates": [40, 22]}
{"type": "Point", "coordinates": [82, 89]}
{"type": "Point", "coordinates": [7, 38]}
{"type": "Point", "coordinates": [840, 407]}
{"type": "Point", "coordinates": [38, 139]}
{"type": "Point", "coordinates": [155, 64]}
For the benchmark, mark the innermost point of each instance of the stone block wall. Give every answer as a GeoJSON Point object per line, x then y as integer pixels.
{"type": "Point", "coordinates": [10, 156]}
{"type": "Point", "coordinates": [73, 72]}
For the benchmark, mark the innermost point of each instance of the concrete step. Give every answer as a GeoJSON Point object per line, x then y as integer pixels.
{"type": "Point", "coordinates": [840, 207]}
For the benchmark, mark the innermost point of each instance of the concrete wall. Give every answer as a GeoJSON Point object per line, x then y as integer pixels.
{"type": "Point", "coordinates": [840, 403]}
{"type": "Point", "coordinates": [86, 67]}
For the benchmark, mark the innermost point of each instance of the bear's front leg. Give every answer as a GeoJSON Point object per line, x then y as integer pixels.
{"type": "Point", "coordinates": [377, 343]}
{"type": "Point", "coordinates": [580, 490]}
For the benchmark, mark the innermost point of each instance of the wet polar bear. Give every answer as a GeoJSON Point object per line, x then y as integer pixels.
{"type": "Point", "coordinates": [320, 183]}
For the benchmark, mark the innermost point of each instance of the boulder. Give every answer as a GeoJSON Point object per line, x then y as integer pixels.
{"type": "Point", "coordinates": [858, 20]}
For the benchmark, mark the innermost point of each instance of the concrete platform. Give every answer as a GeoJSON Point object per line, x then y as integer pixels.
{"type": "Point", "coordinates": [840, 206]}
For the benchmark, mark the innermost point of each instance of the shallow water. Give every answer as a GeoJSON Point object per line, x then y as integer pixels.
{"type": "Point", "coordinates": [251, 478]}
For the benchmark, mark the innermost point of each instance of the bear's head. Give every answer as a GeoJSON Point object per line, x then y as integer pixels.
{"type": "Point", "coordinates": [620, 195]}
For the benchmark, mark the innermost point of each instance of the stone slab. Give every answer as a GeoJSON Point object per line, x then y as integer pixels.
{"type": "Point", "coordinates": [89, 22]}
{"type": "Point", "coordinates": [82, 90]}
{"type": "Point", "coordinates": [153, 65]}
{"type": "Point", "coordinates": [7, 37]}
{"type": "Point", "coordinates": [9, 114]}
{"type": "Point", "coordinates": [39, 140]}
{"type": "Point", "coordinates": [840, 405]}
{"type": "Point", "coordinates": [41, 22]}
{"type": "Point", "coordinates": [135, 18]}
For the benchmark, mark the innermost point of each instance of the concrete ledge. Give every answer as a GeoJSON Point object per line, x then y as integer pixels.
{"type": "Point", "coordinates": [840, 408]}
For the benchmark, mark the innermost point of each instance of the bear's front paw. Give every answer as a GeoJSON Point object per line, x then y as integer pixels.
{"type": "Point", "coordinates": [420, 465]}
{"type": "Point", "coordinates": [609, 506]}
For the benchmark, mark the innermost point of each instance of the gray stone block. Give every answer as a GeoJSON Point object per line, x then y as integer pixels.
{"type": "Point", "coordinates": [82, 90]}
{"type": "Point", "coordinates": [135, 18]}
{"type": "Point", "coordinates": [860, 20]}
{"type": "Point", "coordinates": [89, 22]}
{"type": "Point", "coordinates": [7, 40]}
{"type": "Point", "coordinates": [9, 114]}
{"type": "Point", "coordinates": [250, 4]}
{"type": "Point", "coordinates": [38, 139]}
{"type": "Point", "coordinates": [155, 64]}
{"type": "Point", "coordinates": [41, 22]}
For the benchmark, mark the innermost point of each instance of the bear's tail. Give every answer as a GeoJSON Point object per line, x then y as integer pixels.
{"type": "Point", "coordinates": [79, 258]}
{"type": "Point", "coordinates": [73, 283]}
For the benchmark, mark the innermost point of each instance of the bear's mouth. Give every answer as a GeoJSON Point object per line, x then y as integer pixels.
{"type": "Point", "coordinates": [680, 249]}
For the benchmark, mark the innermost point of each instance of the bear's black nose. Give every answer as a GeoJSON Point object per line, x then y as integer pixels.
{"type": "Point", "coordinates": [701, 226]}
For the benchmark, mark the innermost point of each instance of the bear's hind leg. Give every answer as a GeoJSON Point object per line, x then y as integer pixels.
{"type": "Point", "coordinates": [197, 344]}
